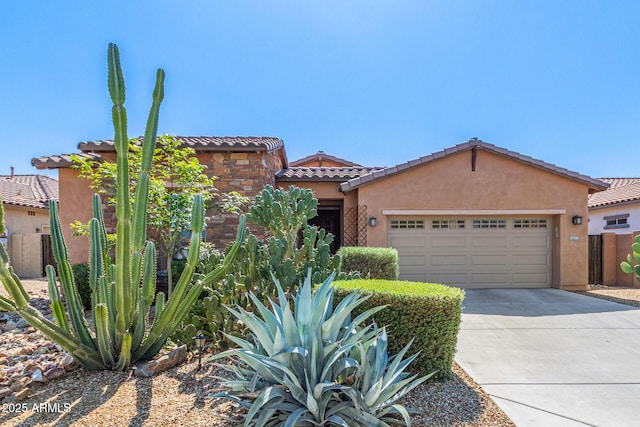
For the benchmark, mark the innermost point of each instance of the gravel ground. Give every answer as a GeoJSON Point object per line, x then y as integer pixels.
{"type": "Point", "coordinates": [620, 294]}
{"type": "Point", "coordinates": [179, 397]}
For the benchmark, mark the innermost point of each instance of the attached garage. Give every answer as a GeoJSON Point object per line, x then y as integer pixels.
{"type": "Point", "coordinates": [495, 251]}
{"type": "Point", "coordinates": [472, 215]}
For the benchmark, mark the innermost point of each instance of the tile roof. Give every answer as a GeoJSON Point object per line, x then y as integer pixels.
{"type": "Point", "coordinates": [60, 160]}
{"type": "Point", "coordinates": [337, 174]}
{"type": "Point", "coordinates": [205, 143]}
{"type": "Point", "coordinates": [473, 143]}
{"type": "Point", "coordinates": [33, 191]}
{"type": "Point", "coordinates": [320, 156]}
{"type": "Point", "coordinates": [622, 190]}
{"type": "Point", "coordinates": [198, 143]}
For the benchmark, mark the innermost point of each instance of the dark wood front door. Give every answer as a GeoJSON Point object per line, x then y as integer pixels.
{"type": "Point", "coordinates": [329, 218]}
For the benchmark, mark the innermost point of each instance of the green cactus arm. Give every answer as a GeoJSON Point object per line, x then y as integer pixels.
{"type": "Point", "coordinates": [186, 304]}
{"type": "Point", "coordinates": [61, 255]}
{"type": "Point", "coordinates": [57, 308]}
{"type": "Point", "coordinates": [123, 203]}
{"type": "Point", "coordinates": [149, 275]}
{"type": "Point", "coordinates": [142, 190]}
{"type": "Point", "coordinates": [10, 281]}
{"type": "Point", "coordinates": [104, 244]}
{"type": "Point", "coordinates": [124, 360]}
{"type": "Point", "coordinates": [105, 343]}
{"type": "Point", "coordinates": [6, 304]}
{"type": "Point", "coordinates": [163, 321]}
{"type": "Point", "coordinates": [155, 348]}
{"type": "Point", "coordinates": [159, 304]}
{"type": "Point", "coordinates": [141, 326]}
{"type": "Point", "coordinates": [95, 255]}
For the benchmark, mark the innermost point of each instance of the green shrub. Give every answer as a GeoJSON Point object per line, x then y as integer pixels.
{"type": "Point", "coordinates": [371, 263]}
{"type": "Point", "coordinates": [81, 276]}
{"type": "Point", "coordinates": [314, 366]}
{"type": "Point", "coordinates": [429, 312]}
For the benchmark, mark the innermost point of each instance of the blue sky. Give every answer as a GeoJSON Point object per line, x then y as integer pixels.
{"type": "Point", "coordinates": [376, 82]}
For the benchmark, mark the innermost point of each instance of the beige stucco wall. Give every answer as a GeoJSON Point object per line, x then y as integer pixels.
{"type": "Point", "coordinates": [18, 221]}
{"type": "Point", "coordinates": [498, 183]}
{"type": "Point", "coordinates": [75, 204]}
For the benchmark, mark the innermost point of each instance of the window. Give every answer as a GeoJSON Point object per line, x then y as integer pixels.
{"type": "Point", "coordinates": [489, 223]}
{"type": "Point", "coordinates": [529, 223]}
{"type": "Point", "coordinates": [407, 223]}
{"type": "Point", "coordinates": [31, 213]}
{"type": "Point", "coordinates": [447, 223]}
{"type": "Point", "coordinates": [616, 221]}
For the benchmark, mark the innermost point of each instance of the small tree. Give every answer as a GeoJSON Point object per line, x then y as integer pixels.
{"type": "Point", "coordinates": [176, 178]}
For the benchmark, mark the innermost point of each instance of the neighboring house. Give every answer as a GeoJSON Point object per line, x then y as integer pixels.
{"type": "Point", "coordinates": [472, 215]}
{"type": "Point", "coordinates": [614, 220]}
{"type": "Point", "coordinates": [25, 200]}
{"type": "Point", "coordinates": [617, 209]}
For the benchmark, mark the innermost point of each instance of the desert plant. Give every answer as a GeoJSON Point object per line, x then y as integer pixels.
{"type": "Point", "coordinates": [315, 366]}
{"type": "Point", "coordinates": [175, 178]}
{"type": "Point", "coordinates": [123, 289]}
{"type": "Point", "coordinates": [292, 249]}
{"type": "Point", "coordinates": [632, 264]}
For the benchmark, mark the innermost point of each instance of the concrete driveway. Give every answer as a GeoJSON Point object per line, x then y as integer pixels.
{"type": "Point", "coordinates": [553, 358]}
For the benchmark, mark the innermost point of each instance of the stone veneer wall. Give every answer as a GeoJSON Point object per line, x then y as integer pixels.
{"type": "Point", "coordinates": [245, 172]}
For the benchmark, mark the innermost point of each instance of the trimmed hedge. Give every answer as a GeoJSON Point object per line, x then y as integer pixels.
{"type": "Point", "coordinates": [371, 263]}
{"type": "Point", "coordinates": [429, 312]}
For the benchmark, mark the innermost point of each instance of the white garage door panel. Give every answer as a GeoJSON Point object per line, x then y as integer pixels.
{"type": "Point", "coordinates": [511, 252]}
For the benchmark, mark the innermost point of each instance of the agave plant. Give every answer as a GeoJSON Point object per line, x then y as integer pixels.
{"type": "Point", "coordinates": [123, 290]}
{"type": "Point", "coordinates": [315, 366]}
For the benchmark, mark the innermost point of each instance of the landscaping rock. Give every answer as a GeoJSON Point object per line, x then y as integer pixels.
{"type": "Point", "coordinates": [54, 373]}
{"type": "Point", "coordinates": [37, 376]}
{"type": "Point", "coordinates": [4, 392]}
{"type": "Point", "coordinates": [22, 394]}
{"type": "Point", "coordinates": [163, 363]}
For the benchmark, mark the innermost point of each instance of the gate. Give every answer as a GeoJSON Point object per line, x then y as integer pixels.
{"type": "Point", "coordinates": [595, 259]}
{"type": "Point", "coordinates": [47, 253]}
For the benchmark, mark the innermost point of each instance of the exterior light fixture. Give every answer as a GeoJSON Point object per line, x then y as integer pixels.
{"type": "Point", "coordinates": [576, 220]}
{"type": "Point", "coordinates": [200, 341]}
{"type": "Point", "coordinates": [373, 221]}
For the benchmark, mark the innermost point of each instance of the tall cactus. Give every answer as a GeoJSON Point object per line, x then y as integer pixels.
{"type": "Point", "coordinates": [123, 289]}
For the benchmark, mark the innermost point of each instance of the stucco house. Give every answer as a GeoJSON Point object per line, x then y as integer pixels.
{"type": "Point", "coordinates": [617, 209]}
{"type": "Point", "coordinates": [472, 215]}
{"type": "Point", "coordinates": [25, 200]}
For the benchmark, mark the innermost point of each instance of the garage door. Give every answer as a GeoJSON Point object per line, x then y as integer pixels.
{"type": "Point", "coordinates": [474, 252]}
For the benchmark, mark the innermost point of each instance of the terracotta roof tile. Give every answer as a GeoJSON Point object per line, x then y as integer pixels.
{"type": "Point", "coordinates": [321, 174]}
{"type": "Point", "coordinates": [594, 184]}
{"type": "Point", "coordinates": [198, 143]}
{"type": "Point", "coordinates": [33, 191]}
{"type": "Point", "coordinates": [60, 160]}
{"type": "Point", "coordinates": [320, 156]}
{"type": "Point", "coordinates": [204, 143]}
{"type": "Point", "coordinates": [622, 190]}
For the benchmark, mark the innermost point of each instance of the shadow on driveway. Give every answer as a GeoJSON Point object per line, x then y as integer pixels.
{"type": "Point", "coordinates": [535, 303]}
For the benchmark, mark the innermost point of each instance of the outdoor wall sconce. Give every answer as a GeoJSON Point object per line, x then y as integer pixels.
{"type": "Point", "coordinates": [576, 220]}
{"type": "Point", "coordinates": [200, 341]}
{"type": "Point", "coordinates": [373, 221]}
